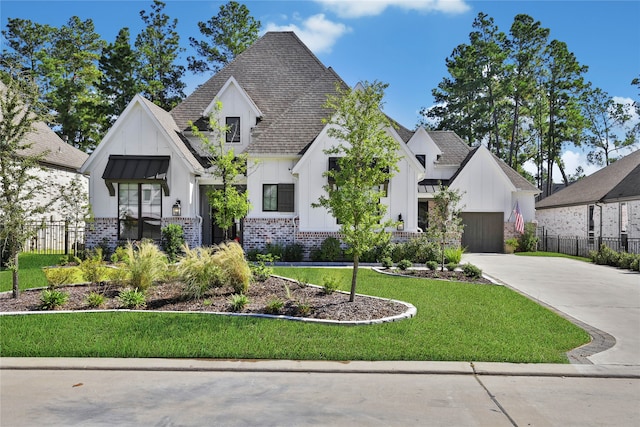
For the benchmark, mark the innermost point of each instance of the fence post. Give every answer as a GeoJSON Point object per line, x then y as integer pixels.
{"type": "Point", "coordinates": [66, 237]}
{"type": "Point", "coordinates": [577, 247]}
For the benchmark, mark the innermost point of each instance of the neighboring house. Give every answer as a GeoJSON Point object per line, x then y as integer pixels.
{"type": "Point", "coordinates": [150, 170]}
{"type": "Point", "coordinates": [604, 204]}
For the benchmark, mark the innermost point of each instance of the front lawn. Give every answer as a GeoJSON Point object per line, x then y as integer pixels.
{"type": "Point", "coordinates": [455, 322]}
{"type": "Point", "coordinates": [30, 273]}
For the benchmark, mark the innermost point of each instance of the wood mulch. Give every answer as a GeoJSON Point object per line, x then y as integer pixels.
{"type": "Point", "coordinates": [456, 275]}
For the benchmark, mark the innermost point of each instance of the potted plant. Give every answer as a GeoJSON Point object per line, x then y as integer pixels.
{"type": "Point", "coordinates": [510, 245]}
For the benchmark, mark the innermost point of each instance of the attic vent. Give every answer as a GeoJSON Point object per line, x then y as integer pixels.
{"type": "Point", "coordinates": [438, 157]}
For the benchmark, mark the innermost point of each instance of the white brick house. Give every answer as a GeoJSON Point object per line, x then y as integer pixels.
{"type": "Point", "coordinates": [272, 96]}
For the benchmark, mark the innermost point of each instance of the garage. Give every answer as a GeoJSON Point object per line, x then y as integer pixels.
{"type": "Point", "coordinates": [483, 231]}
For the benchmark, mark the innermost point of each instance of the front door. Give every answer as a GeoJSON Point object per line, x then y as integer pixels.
{"type": "Point", "coordinates": [211, 233]}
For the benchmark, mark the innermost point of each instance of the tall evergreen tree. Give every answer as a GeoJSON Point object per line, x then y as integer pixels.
{"type": "Point", "coordinates": [158, 47]}
{"type": "Point", "coordinates": [119, 82]}
{"type": "Point", "coordinates": [227, 34]}
{"type": "Point", "coordinates": [71, 74]}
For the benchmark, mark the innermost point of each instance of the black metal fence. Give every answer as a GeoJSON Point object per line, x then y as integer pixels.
{"type": "Point", "coordinates": [53, 237]}
{"type": "Point", "coordinates": [581, 246]}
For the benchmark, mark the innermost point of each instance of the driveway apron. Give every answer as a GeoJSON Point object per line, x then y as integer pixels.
{"type": "Point", "coordinates": [603, 297]}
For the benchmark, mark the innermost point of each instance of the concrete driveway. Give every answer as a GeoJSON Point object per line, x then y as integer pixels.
{"type": "Point", "coordinates": [605, 298]}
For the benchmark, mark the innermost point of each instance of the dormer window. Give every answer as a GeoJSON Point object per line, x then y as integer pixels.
{"type": "Point", "coordinates": [233, 129]}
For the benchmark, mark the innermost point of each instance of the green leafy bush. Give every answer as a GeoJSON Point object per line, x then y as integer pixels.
{"type": "Point", "coordinates": [451, 266]}
{"type": "Point", "coordinates": [120, 255]}
{"type": "Point", "coordinates": [57, 276]}
{"type": "Point", "coordinates": [418, 250]}
{"type": "Point", "coordinates": [274, 306]}
{"type": "Point", "coordinates": [95, 300]}
{"type": "Point", "coordinates": [93, 268]}
{"type": "Point", "coordinates": [293, 252]}
{"type": "Point", "coordinates": [635, 264]}
{"type": "Point", "coordinates": [387, 262]}
{"type": "Point", "coordinates": [262, 268]}
{"type": "Point", "coordinates": [330, 284]}
{"type": "Point", "coordinates": [605, 256]}
{"type": "Point", "coordinates": [432, 265]}
{"type": "Point", "coordinates": [625, 259]}
{"type": "Point", "coordinates": [146, 264]}
{"type": "Point", "coordinates": [453, 255]}
{"type": "Point", "coordinates": [472, 271]}
{"type": "Point", "coordinates": [50, 299]}
{"type": "Point", "coordinates": [528, 240]}
{"type": "Point", "coordinates": [172, 241]}
{"type": "Point", "coordinates": [303, 309]}
{"type": "Point", "coordinates": [275, 249]}
{"type": "Point", "coordinates": [238, 302]}
{"type": "Point", "coordinates": [132, 298]}
{"type": "Point", "coordinates": [329, 251]}
{"type": "Point", "coordinates": [404, 264]}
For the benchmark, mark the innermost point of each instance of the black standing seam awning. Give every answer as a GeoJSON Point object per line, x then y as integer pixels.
{"type": "Point", "coordinates": [146, 169]}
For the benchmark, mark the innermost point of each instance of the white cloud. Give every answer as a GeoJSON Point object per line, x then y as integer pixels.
{"type": "Point", "coordinates": [317, 32]}
{"type": "Point", "coordinates": [360, 8]}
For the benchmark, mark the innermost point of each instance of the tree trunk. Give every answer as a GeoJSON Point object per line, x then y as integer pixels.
{"type": "Point", "coordinates": [354, 278]}
{"type": "Point", "coordinates": [14, 269]}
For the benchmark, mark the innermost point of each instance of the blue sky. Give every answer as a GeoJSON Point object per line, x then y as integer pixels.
{"type": "Point", "coordinates": [403, 43]}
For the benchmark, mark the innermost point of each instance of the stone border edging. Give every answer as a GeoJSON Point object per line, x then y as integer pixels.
{"type": "Point", "coordinates": [410, 312]}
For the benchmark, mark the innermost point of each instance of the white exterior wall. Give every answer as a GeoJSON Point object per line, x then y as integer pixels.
{"type": "Point", "coordinates": [235, 105]}
{"type": "Point", "coordinates": [136, 135]}
{"type": "Point", "coordinates": [270, 171]}
{"type": "Point", "coordinates": [573, 220]}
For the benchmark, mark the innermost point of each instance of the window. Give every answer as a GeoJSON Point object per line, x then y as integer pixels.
{"type": "Point", "coordinates": [140, 211]}
{"type": "Point", "coordinates": [624, 218]}
{"type": "Point", "coordinates": [590, 222]}
{"type": "Point", "coordinates": [277, 197]}
{"type": "Point", "coordinates": [233, 129]}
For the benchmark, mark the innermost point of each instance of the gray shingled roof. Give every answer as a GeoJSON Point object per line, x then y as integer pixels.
{"type": "Point", "coordinates": [285, 80]}
{"type": "Point", "coordinates": [454, 149]}
{"type": "Point", "coordinates": [619, 179]}
{"type": "Point", "coordinates": [55, 151]}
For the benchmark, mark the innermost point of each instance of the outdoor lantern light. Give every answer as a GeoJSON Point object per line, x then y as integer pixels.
{"type": "Point", "coordinates": [176, 210]}
{"type": "Point", "coordinates": [400, 223]}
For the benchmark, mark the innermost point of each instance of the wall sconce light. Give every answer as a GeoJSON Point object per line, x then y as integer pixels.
{"type": "Point", "coordinates": [400, 226]}
{"type": "Point", "coordinates": [176, 210]}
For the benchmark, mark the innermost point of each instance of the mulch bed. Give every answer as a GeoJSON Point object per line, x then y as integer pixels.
{"type": "Point", "coordinates": [458, 276]}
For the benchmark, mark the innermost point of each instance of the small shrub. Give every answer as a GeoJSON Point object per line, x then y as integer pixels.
{"type": "Point", "coordinates": [635, 264]}
{"type": "Point", "coordinates": [120, 255]}
{"type": "Point", "coordinates": [132, 299]}
{"type": "Point", "coordinates": [58, 276]}
{"type": "Point", "coordinates": [275, 249]}
{"type": "Point", "coordinates": [451, 266]}
{"type": "Point", "coordinates": [605, 256]}
{"type": "Point", "coordinates": [274, 306]}
{"type": "Point", "coordinates": [229, 257]}
{"type": "Point", "coordinates": [625, 259]}
{"type": "Point", "coordinates": [302, 280]}
{"type": "Point", "coordinates": [330, 250]}
{"type": "Point", "coordinates": [95, 300]}
{"type": "Point", "coordinates": [146, 264]}
{"type": "Point", "coordinates": [69, 259]}
{"type": "Point", "coordinates": [432, 265]}
{"type": "Point", "coordinates": [252, 254]}
{"type": "Point", "coordinates": [387, 262]}
{"type": "Point", "coordinates": [303, 309]}
{"type": "Point", "coordinates": [93, 268]}
{"type": "Point", "coordinates": [330, 284]}
{"type": "Point", "coordinates": [418, 250]}
{"type": "Point", "coordinates": [262, 268]}
{"type": "Point", "coordinates": [51, 299]}
{"type": "Point", "coordinates": [404, 264]}
{"type": "Point", "coordinates": [293, 252]}
{"type": "Point", "coordinates": [238, 302]}
{"type": "Point", "coordinates": [513, 243]}
{"type": "Point", "coordinates": [528, 241]}
{"type": "Point", "coordinates": [172, 241]}
{"type": "Point", "coordinates": [453, 255]}
{"type": "Point", "coordinates": [471, 271]}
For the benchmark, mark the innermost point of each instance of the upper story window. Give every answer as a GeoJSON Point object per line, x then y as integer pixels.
{"type": "Point", "coordinates": [624, 218]}
{"type": "Point", "coordinates": [590, 221]}
{"type": "Point", "coordinates": [233, 129]}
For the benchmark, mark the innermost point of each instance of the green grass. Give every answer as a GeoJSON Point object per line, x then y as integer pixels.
{"type": "Point", "coordinates": [553, 254]}
{"type": "Point", "coordinates": [455, 321]}
{"type": "Point", "coordinates": [30, 273]}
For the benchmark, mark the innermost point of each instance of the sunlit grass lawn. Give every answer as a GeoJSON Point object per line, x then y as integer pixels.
{"type": "Point", "coordinates": [553, 255]}
{"type": "Point", "coordinates": [455, 322]}
{"type": "Point", "coordinates": [30, 273]}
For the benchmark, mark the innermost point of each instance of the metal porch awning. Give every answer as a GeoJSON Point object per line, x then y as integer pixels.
{"type": "Point", "coordinates": [146, 169]}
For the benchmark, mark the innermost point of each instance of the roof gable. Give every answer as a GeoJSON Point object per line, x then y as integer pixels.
{"type": "Point", "coordinates": [243, 94]}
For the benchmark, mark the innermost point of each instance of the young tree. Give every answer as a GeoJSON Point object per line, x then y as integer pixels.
{"type": "Point", "coordinates": [445, 223]}
{"type": "Point", "coordinates": [158, 47]}
{"type": "Point", "coordinates": [605, 119]}
{"type": "Point", "coordinates": [229, 34]}
{"type": "Point", "coordinates": [367, 159]}
{"type": "Point", "coordinates": [228, 203]}
{"type": "Point", "coordinates": [19, 185]}
{"type": "Point", "coordinates": [75, 207]}
{"type": "Point", "coordinates": [119, 82]}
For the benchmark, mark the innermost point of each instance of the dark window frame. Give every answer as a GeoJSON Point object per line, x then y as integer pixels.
{"type": "Point", "coordinates": [233, 129]}
{"type": "Point", "coordinates": [285, 197]}
{"type": "Point", "coordinates": [141, 231]}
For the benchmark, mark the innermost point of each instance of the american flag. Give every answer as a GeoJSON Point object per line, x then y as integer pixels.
{"type": "Point", "coordinates": [519, 219]}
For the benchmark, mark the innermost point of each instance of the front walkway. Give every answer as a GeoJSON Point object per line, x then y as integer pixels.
{"type": "Point", "coordinates": [603, 297]}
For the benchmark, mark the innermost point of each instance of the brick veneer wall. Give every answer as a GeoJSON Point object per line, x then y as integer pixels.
{"type": "Point", "coordinates": [105, 230]}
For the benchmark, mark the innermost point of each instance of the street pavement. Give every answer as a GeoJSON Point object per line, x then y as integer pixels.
{"type": "Point", "coordinates": [604, 390]}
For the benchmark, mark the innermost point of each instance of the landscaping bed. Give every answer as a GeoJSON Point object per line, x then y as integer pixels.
{"type": "Point", "coordinates": [422, 273]}
{"type": "Point", "coordinates": [298, 300]}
